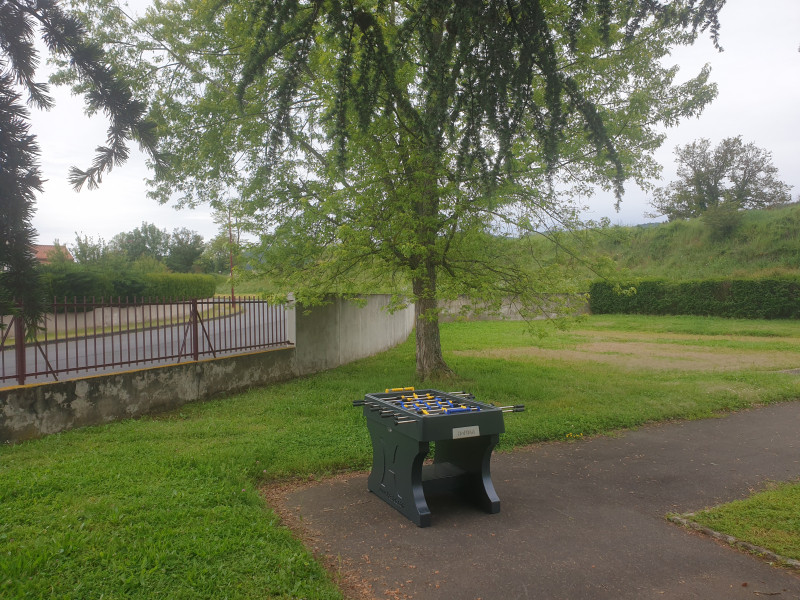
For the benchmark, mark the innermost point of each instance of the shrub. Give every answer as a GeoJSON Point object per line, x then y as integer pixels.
{"type": "Point", "coordinates": [69, 280]}
{"type": "Point", "coordinates": [76, 281]}
{"type": "Point", "coordinates": [179, 285]}
{"type": "Point", "coordinates": [722, 221]}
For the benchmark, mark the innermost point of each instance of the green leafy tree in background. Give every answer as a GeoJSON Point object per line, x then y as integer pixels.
{"type": "Point", "coordinates": [89, 252]}
{"type": "Point", "coordinates": [146, 240]}
{"type": "Point", "coordinates": [147, 244]}
{"type": "Point", "coordinates": [216, 257]}
{"type": "Point", "coordinates": [185, 248]}
{"type": "Point", "coordinates": [21, 22]}
{"type": "Point", "coordinates": [389, 144]}
{"type": "Point", "coordinates": [86, 250]}
{"type": "Point", "coordinates": [732, 176]}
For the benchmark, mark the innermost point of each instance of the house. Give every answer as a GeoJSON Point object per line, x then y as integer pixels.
{"type": "Point", "coordinates": [45, 254]}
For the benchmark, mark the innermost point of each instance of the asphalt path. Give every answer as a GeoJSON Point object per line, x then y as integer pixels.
{"type": "Point", "coordinates": [583, 519]}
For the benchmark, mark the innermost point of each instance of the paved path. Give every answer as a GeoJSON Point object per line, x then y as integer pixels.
{"type": "Point", "coordinates": [578, 520]}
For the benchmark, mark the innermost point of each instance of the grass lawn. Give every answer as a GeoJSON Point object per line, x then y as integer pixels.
{"type": "Point", "coordinates": [168, 506]}
{"type": "Point", "coordinates": [769, 519]}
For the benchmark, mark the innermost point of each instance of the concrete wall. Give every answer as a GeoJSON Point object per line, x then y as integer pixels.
{"type": "Point", "coordinates": [325, 337]}
{"type": "Point", "coordinates": [31, 411]}
{"type": "Point", "coordinates": [342, 332]}
{"type": "Point", "coordinates": [466, 309]}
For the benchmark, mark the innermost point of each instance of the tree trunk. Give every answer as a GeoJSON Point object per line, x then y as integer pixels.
{"type": "Point", "coordinates": [430, 363]}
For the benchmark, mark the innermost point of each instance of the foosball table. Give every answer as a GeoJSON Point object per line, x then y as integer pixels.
{"type": "Point", "coordinates": [403, 422]}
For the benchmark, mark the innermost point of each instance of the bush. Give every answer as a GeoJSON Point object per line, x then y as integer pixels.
{"type": "Point", "coordinates": [72, 280]}
{"type": "Point", "coordinates": [722, 221]}
{"type": "Point", "coordinates": [774, 298]}
{"type": "Point", "coordinates": [179, 285]}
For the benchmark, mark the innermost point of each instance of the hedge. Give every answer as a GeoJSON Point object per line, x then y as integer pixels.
{"type": "Point", "coordinates": [777, 298]}
{"type": "Point", "coordinates": [80, 282]}
{"type": "Point", "coordinates": [180, 285]}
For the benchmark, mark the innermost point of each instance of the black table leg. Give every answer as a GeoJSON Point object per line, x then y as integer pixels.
{"type": "Point", "coordinates": [396, 475]}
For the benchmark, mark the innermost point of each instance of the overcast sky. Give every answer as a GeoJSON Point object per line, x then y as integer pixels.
{"type": "Point", "coordinates": [758, 75]}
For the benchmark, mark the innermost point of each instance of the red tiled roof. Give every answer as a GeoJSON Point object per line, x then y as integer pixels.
{"type": "Point", "coordinates": [43, 253]}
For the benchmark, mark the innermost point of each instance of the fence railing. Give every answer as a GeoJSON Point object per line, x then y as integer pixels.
{"type": "Point", "coordinates": [89, 336]}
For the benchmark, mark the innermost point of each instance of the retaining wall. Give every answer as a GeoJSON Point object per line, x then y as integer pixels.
{"type": "Point", "coordinates": [465, 309]}
{"type": "Point", "coordinates": [324, 337]}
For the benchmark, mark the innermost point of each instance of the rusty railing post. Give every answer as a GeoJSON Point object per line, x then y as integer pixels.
{"type": "Point", "coordinates": [195, 334]}
{"type": "Point", "coordinates": [19, 347]}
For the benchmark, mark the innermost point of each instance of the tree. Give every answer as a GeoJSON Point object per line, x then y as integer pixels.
{"type": "Point", "coordinates": [20, 179]}
{"type": "Point", "coordinates": [738, 175]}
{"type": "Point", "coordinates": [216, 257]}
{"type": "Point", "coordinates": [19, 182]}
{"type": "Point", "coordinates": [144, 241]}
{"type": "Point", "coordinates": [88, 251]}
{"type": "Point", "coordinates": [388, 143]}
{"type": "Point", "coordinates": [185, 248]}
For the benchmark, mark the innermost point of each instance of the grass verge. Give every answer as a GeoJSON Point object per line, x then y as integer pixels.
{"type": "Point", "coordinates": [168, 507]}
{"type": "Point", "coordinates": [768, 519]}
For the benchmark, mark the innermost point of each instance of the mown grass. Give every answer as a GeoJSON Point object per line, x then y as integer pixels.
{"type": "Point", "coordinates": [168, 506]}
{"type": "Point", "coordinates": [769, 519]}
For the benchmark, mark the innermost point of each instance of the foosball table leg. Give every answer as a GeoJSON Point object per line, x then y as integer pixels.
{"type": "Point", "coordinates": [472, 458]}
{"type": "Point", "coordinates": [396, 475]}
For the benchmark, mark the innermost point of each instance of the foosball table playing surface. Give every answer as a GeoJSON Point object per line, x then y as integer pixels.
{"type": "Point", "coordinates": [402, 423]}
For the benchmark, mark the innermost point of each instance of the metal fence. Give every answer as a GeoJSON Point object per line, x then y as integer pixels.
{"type": "Point", "coordinates": [91, 337]}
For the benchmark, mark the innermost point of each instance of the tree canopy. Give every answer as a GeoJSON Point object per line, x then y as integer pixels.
{"type": "Point", "coordinates": [145, 240]}
{"type": "Point", "coordinates": [735, 174]}
{"type": "Point", "coordinates": [185, 248]}
{"type": "Point", "coordinates": [147, 246]}
{"type": "Point", "coordinates": [21, 21]}
{"type": "Point", "coordinates": [390, 143]}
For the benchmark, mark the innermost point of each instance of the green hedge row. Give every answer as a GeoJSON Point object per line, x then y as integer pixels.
{"type": "Point", "coordinates": [180, 285]}
{"type": "Point", "coordinates": [79, 282]}
{"type": "Point", "coordinates": [777, 298]}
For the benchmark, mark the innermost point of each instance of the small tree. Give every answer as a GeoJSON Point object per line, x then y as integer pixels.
{"type": "Point", "coordinates": [147, 240]}
{"type": "Point", "coordinates": [734, 173]}
{"type": "Point", "coordinates": [185, 248]}
{"type": "Point", "coordinates": [722, 221]}
{"type": "Point", "coordinates": [216, 257]}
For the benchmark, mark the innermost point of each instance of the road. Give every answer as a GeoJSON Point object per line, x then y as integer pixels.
{"type": "Point", "coordinates": [134, 345]}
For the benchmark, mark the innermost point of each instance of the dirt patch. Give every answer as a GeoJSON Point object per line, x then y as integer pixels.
{"type": "Point", "coordinates": [629, 351]}
{"type": "Point", "coordinates": [677, 337]}
{"type": "Point", "coordinates": [342, 571]}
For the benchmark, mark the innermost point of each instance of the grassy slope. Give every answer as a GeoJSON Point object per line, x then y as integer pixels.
{"type": "Point", "coordinates": [168, 507]}
{"type": "Point", "coordinates": [766, 243]}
